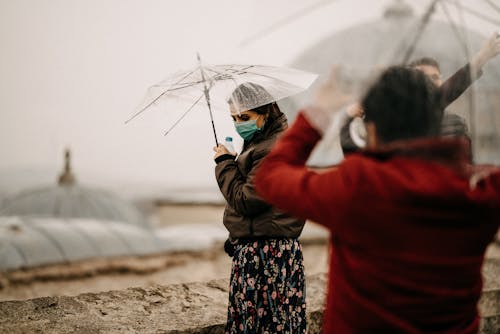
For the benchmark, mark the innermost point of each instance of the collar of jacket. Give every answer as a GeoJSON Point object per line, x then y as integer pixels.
{"type": "Point", "coordinates": [454, 153]}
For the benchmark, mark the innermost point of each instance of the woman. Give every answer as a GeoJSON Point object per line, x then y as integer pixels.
{"type": "Point", "coordinates": [267, 286]}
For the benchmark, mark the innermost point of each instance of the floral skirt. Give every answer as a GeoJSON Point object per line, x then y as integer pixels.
{"type": "Point", "coordinates": [267, 288]}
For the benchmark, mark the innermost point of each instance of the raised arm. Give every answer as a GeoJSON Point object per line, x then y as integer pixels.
{"type": "Point", "coordinates": [284, 181]}
{"type": "Point", "coordinates": [489, 50]}
{"type": "Point", "coordinates": [458, 83]}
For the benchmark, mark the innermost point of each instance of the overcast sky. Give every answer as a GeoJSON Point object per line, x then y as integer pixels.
{"type": "Point", "coordinates": [71, 72]}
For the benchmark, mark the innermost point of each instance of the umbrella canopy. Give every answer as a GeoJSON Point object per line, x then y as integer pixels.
{"type": "Point", "coordinates": [212, 87]}
{"type": "Point", "coordinates": [401, 35]}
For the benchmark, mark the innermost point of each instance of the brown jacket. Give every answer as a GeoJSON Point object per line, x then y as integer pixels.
{"type": "Point", "coordinates": [246, 214]}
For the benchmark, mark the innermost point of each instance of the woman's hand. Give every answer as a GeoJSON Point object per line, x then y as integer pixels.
{"type": "Point", "coordinates": [355, 110]}
{"type": "Point", "coordinates": [491, 47]}
{"type": "Point", "coordinates": [330, 96]}
{"type": "Point", "coordinates": [489, 50]}
{"type": "Point", "coordinates": [328, 99]}
{"type": "Point", "coordinates": [220, 150]}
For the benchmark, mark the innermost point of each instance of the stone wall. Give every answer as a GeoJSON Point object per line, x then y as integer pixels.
{"type": "Point", "coordinates": [181, 308]}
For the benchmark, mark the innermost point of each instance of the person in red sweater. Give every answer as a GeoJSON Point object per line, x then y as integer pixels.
{"type": "Point", "coordinates": [410, 218]}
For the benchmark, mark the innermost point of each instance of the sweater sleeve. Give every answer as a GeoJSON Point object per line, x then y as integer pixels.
{"type": "Point", "coordinates": [238, 190]}
{"type": "Point", "coordinates": [456, 85]}
{"type": "Point", "coordinates": [284, 181]}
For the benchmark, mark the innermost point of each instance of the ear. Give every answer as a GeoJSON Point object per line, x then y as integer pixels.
{"type": "Point", "coordinates": [371, 133]}
{"type": "Point", "coordinates": [266, 115]}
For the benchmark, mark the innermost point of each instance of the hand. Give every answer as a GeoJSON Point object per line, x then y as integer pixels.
{"type": "Point", "coordinates": [355, 110]}
{"type": "Point", "coordinates": [491, 47]}
{"type": "Point", "coordinates": [220, 150]}
{"type": "Point", "coordinates": [328, 99]}
{"type": "Point", "coordinates": [329, 95]}
{"type": "Point", "coordinates": [489, 50]}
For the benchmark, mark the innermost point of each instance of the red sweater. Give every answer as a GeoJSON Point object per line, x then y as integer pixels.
{"type": "Point", "coordinates": [408, 230]}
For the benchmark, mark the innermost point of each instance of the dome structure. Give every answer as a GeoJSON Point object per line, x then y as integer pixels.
{"type": "Point", "coordinates": [67, 223]}
{"type": "Point", "coordinates": [70, 200]}
{"type": "Point", "coordinates": [30, 242]}
{"type": "Point", "coordinates": [362, 50]}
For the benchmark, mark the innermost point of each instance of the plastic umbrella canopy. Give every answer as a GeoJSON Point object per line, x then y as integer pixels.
{"type": "Point", "coordinates": [399, 37]}
{"type": "Point", "coordinates": [213, 88]}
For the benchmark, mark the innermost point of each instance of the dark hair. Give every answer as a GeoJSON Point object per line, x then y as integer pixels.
{"type": "Point", "coordinates": [272, 110]}
{"type": "Point", "coordinates": [425, 61]}
{"type": "Point", "coordinates": [403, 104]}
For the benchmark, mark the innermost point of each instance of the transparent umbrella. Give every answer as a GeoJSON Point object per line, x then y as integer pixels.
{"type": "Point", "coordinates": [401, 35]}
{"type": "Point", "coordinates": [212, 87]}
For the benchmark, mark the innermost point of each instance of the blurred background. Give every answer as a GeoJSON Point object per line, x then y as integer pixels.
{"type": "Point", "coordinates": [88, 203]}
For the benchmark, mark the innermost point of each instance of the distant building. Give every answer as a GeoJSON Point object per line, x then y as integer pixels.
{"type": "Point", "coordinates": [67, 222]}
{"type": "Point", "coordinates": [67, 199]}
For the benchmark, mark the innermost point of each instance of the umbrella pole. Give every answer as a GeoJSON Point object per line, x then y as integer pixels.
{"type": "Point", "coordinates": [207, 97]}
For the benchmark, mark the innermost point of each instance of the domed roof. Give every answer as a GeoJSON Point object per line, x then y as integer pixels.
{"type": "Point", "coordinates": [72, 201]}
{"type": "Point", "coordinates": [30, 242]}
{"type": "Point", "coordinates": [385, 41]}
{"type": "Point", "coordinates": [69, 200]}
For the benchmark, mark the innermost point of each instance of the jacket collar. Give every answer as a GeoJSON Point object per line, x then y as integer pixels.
{"type": "Point", "coordinates": [454, 153]}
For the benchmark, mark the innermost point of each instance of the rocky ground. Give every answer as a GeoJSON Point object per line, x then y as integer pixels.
{"type": "Point", "coordinates": [115, 274]}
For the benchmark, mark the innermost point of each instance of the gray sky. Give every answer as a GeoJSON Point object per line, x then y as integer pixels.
{"type": "Point", "coordinates": [73, 70]}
